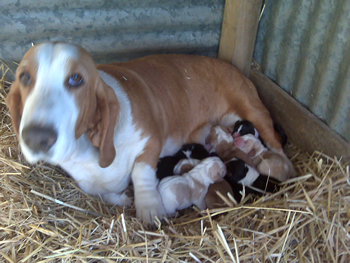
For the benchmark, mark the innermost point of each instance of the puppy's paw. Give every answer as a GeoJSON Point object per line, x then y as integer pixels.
{"type": "Point", "coordinates": [148, 206]}
{"type": "Point", "coordinates": [117, 199]}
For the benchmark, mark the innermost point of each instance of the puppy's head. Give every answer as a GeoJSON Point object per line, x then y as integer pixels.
{"type": "Point", "coordinates": [58, 96]}
{"type": "Point", "coordinates": [236, 170]}
{"type": "Point", "coordinates": [244, 127]}
{"type": "Point", "coordinates": [219, 139]}
{"type": "Point", "coordinates": [215, 169]}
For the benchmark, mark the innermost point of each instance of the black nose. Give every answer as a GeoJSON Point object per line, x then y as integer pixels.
{"type": "Point", "coordinates": [39, 138]}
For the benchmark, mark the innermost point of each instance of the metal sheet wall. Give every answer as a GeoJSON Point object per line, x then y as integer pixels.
{"type": "Point", "coordinates": [304, 46]}
{"type": "Point", "coordinates": [112, 30]}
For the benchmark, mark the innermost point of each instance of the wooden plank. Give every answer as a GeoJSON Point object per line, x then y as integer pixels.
{"type": "Point", "coordinates": [238, 33]}
{"type": "Point", "coordinates": [302, 127]}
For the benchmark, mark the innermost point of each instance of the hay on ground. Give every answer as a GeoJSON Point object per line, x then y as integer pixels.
{"type": "Point", "coordinates": [45, 217]}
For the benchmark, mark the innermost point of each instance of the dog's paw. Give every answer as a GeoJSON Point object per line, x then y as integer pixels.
{"type": "Point", "coordinates": [148, 206]}
{"type": "Point", "coordinates": [117, 199]}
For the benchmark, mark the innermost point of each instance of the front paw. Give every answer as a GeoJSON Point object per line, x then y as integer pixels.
{"type": "Point", "coordinates": [117, 199]}
{"type": "Point", "coordinates": [148, 206]}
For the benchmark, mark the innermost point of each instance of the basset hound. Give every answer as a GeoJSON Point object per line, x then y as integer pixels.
{"type": "Point", "coordinates": [108, 124]}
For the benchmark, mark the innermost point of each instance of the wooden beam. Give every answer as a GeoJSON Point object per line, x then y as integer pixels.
{"type": "Point", "coordinates": [238, 33]}
{"type": "Point", "coordinates": [302, 127]}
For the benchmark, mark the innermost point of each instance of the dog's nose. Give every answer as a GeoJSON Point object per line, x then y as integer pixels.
{"type": "Point", "coordinates": [39, 138]}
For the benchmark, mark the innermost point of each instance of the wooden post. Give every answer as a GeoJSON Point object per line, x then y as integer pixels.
{"type": "Point", "coordinates": [238, 33]}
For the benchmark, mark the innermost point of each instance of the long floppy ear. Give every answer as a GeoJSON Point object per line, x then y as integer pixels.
{"type": "Point", "coordinates": [103, 122]}
{"type": "Point", "coordinates": [14, 103]}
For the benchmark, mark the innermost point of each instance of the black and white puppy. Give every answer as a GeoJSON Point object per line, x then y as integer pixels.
{"type": "Point", "coordinates": [167, 164]}
{"type": "Point", "coordinates": [244, 127]}
{"type": "Point", "coordinates": [238, 172]}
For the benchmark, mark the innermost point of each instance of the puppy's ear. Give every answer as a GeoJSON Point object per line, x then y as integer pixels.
{"type": "Point", "coordinates": [15, 105]}
{"type": "Point", "coordinates": [98, 116]}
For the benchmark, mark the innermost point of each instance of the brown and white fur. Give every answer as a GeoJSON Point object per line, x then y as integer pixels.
{"type": "Point", "coordinates": [220, 141]}
{"type": "Point", "coordinates": [122, 117]}
{"type": "Point", "coordinates": [266, 162]}
{"type": "Point", "coordinates": [181, 191]}
{"type": "Point", "coordinates": [185, 165]}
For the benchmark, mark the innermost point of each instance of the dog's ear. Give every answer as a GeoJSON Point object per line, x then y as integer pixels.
{"type": "Point", "coordinates": [15, 105]}
{"type": "Point", "coordinates": [98, 116]}
{"type": "Point", "coordinates": [102, 135]}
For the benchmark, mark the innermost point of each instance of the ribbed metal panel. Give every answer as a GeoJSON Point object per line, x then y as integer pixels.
{"type": "Point", "coordinates": [304, 46]}
{"type": "Point", "coordinates": [112, 30]}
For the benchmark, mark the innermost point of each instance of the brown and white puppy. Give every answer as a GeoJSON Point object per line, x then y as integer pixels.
{"type": "Point", "coordinates": [181, 191]}
{"type": "Point", "coordinates": [185, 165]}
{"type": "Point", "coordinates": [266, 162]}
{"type": "Point", "coordinates": [212, 200]}
{"type": "Point", "coordinates": [108, 124]}
{"type": "Point", "coordinates": [220, 141]}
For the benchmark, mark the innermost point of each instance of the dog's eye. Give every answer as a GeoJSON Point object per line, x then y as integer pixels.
{"type": "Point", "coordinates": [25, 78]}
{"type": "Point", "coordinates": [75, 80]}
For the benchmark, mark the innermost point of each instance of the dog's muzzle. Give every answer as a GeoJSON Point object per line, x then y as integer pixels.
{"type": "Point", "coordinates": [39, 138]}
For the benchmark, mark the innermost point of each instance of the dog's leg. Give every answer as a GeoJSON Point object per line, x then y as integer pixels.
{"type": "Point", "coordinates": [117, 199]}
{"type": "Point", "coordinates": [148, 201]}
{"type": "Point", "coordinates": [200, 134]}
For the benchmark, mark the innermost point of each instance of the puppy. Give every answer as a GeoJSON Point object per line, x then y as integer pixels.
{"type": "Point", "coordinates": [243, 127]}
{"type": "Point", "coordinates": [166, 164]}
{"type": "Point", "coordinates": [266, 162]}
{"type": "Point", "coordinates": [241, 173]}
{"type": "Point", "coordinates": [180, 192]}
{"type": "Point", "coordinates": [212, 200]}
{"type": "Point", "coordinates": [220, 141]}
{"type": "Point", "coordinates": [185, 165]}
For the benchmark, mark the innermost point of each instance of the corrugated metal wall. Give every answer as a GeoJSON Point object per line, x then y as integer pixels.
{"type": "Point", "coordinates": [112, 30]}
{"type": "Point", "coordinates": [304, 46]}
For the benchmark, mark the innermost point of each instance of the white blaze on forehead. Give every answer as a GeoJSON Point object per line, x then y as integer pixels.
{"type": "Point", "coordinates": [54, 64]}
{"type": "Point", "coordinates": [50, 103]}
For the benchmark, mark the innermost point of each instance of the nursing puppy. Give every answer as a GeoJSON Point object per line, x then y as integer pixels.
{"type": "Point", "coordinates": [109, 124]}
{"type": "Point", "coordinates": [185, 165]}
{"type": "Point", "coordinates": [244, 127]}
{"type": "Point", "coordinates": [180, 192]}
{"type": "Point", "coordinates": [212, 199]}
{"type": "Point", "coordinates": [238, 172]}
{"type": "Point", "coordinates": [167, 164]}
{"type": "Point", "coordinates": [220, 141]}
{"type": "Point", "coordinates": [266, 162]}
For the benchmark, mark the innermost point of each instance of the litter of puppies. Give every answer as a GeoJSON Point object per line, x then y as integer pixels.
{"type": "Point", "coordinates": [249, 165]}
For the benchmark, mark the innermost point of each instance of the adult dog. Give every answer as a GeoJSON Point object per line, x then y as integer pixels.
{"type": "Point", "coordinates": [107, 124]}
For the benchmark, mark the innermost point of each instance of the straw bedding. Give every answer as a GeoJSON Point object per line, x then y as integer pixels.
{"type": "Point", "coordinates": [45, 217]}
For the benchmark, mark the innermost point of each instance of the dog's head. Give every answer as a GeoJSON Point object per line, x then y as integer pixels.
{"type": "Point", "coordinates": [56, 98]}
